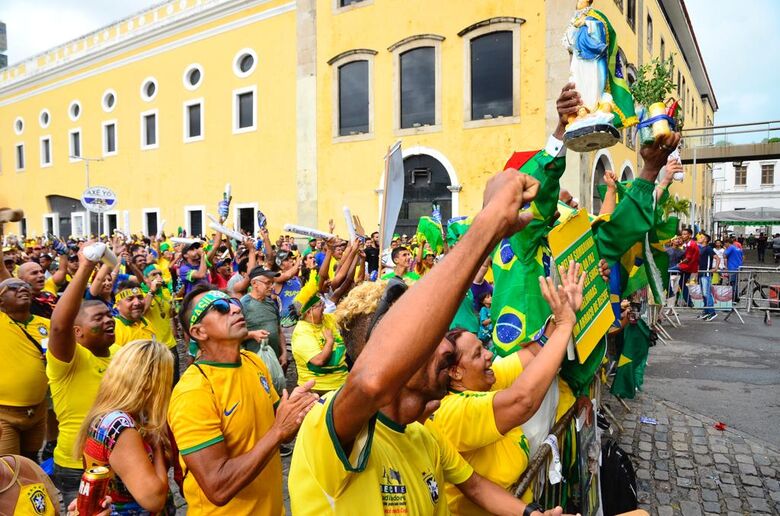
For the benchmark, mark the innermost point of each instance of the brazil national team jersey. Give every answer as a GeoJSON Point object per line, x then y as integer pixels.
{"type": "Point", "coordinates": [500, 458]}
{"type": "Point", "coordinates": [392, 469]}
{"type": "Point", "coordinates": [24, 384]}
{"type": "Point", "coordinates": [231, 403]}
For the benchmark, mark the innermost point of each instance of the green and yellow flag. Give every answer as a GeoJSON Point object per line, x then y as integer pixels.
{"type": "Point", "coordinates": [630, 373]}
{"type": "Point", "coordinates": [623, 101]}
{"type": "Point", "coordinates": [429, 230]}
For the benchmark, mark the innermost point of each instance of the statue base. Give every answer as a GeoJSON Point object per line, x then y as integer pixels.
{"type": "Point", "coordinates": [591, 138]}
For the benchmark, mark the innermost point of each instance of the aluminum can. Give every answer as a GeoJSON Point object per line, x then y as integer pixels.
{"type": "Point", "coordinates": [92, 490]}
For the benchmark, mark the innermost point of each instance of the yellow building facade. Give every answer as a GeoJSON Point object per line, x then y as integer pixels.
{"type": "Point", "coordinates": [295, 103]}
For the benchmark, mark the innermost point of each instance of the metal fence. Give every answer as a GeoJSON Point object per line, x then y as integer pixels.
{"type": "Point", "coordinates": [747, 290]}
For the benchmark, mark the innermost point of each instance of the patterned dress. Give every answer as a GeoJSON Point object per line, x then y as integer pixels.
{"type": "Point", "coordinates": [103, 435]}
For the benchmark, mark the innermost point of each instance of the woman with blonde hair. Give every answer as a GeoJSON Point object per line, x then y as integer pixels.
{"type": "Point", "coordinates": [126, 428]}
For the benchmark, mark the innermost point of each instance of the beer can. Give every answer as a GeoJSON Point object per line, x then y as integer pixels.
{"type": "Point", "coordinates": [92, 490]}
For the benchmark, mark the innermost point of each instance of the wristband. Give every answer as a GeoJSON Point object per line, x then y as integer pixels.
{"type": "Point", "coordinates": [531, 507]}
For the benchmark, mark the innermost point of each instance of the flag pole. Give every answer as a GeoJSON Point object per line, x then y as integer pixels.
{"type": "Point", "coordinates": [383, 208]}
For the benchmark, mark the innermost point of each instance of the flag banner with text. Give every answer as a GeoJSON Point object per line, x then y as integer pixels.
{"type": "Point", "coordinates": [573, 240]}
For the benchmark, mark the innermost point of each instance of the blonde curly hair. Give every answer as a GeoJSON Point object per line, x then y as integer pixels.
{"type": "Point", "coordinates": [361, 300]}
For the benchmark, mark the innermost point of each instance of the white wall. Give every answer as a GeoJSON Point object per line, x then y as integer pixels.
{"type": "Point", "coordinates": [729, 196]}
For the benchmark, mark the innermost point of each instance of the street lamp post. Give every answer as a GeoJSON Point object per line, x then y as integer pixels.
{"type": "Point", "coordinates": [86, 177]}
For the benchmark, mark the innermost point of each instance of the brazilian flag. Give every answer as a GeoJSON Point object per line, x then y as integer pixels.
{"type": "Point", "coordinates": [456, 228]}
{"type": "Point", "coordinates": [429, 230]}
{"type": "Point", "coordinates": [633, 359]}
{"type": "Point", "coordinates": [518, 309]}
{"type": "Point", "coordinates": [623, 101]}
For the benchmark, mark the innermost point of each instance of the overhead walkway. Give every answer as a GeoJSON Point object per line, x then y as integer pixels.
{"type": "Point", "coordinates": [724, 143]}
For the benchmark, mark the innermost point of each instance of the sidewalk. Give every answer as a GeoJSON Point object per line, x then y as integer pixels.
{"type": "Point", "coordinates": [686, 467]}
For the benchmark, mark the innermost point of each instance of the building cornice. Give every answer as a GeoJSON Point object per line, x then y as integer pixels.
{"type": "Point", "coordinates": [28, 73]}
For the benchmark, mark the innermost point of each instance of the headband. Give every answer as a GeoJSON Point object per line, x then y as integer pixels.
{"type": "Point", "coordinates": [129, 292]}
{"type": "Point", "coordinates": [204, 303]}
{"type": "Point", "coordinates": [151, 268]}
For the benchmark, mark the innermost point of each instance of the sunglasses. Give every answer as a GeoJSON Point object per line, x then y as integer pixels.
{"type": "Point", "coordinates": [14, 286]}
{"type": "Point", "coordinates": [221, 305]}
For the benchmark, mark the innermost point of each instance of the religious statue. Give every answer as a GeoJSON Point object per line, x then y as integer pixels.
{"type": "Point", "coordinates": [606, 101]}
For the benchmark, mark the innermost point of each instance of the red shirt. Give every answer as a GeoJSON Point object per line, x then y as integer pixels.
{"type": "Point", "coordinates": [690, 262]}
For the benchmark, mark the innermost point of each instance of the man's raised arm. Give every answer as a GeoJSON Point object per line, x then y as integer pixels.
{"type": "Point", "coordinates": [62, 341]}
{"type": "Point", "coordinates": [413, 328]}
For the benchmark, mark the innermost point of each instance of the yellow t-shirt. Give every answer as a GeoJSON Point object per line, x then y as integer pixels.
{"type": "Point", "coordinates": [234, 403]}
{"type": "Point", "coordinates": [165, 269]}
{"type": "Point", "coordinates": [159, 317]}
{"type": "Point", "coordinates": [50, 286]}
{"type": "Point", "coordinates": [74, 387]}
{"type": "Point", "coordinates": [26, 386]}
{"type": "Point", "coordinates": [392, 469]}
{"type": "Point", "coordinates": [467, 419]}
{"type": "Point", "coordinates": [307, 342]}
{"type": "Point", "coordinates": [126, 331]}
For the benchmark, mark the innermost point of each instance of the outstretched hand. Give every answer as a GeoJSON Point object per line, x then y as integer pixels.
{"type": "Point", "coordinates": [573, 282]}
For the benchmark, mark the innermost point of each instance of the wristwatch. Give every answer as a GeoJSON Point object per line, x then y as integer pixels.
{"type": "Point", "coordinates": [532, 507]}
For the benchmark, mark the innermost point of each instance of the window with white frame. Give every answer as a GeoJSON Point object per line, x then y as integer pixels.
{"type": "Point", "coordinates": [45, 118]}
{"type": "Point", "coordinates": [244, 109]}
{"type": "Point", "coordinates": [193, 76]}
{"type": "Point", "coordinates": [19, 125]}
{"type": "Point", "coordinates": [45, 151]}
{"type": "Point", "coordinates": [51, 224]}
{"type": "Point", "coordinates": [110, 222]}
{"type": "Point", "coordinates": [74, 110]}
{"type": "Point", "coordinates": [740, 175]}
{"type": "Point", "coordinates": [110, 140]}
{"type": "Point", "coordinates": [149, 138]}
{"type": "Point", "coordinates": [194, 220]}
{"type": "Point", "coordinates": [493, 72]}
{"type": "Point", "coordinates": [193, 120]}
{"type": "Point", "coordinates": [245, 62]}
{"type": "Point", "coordinates": [109, 100]}
{"type": "Point", "coordinates": [19, 156]}
{"type": "Point", "coordinates": [768, 174]}
{"type": "Point", "coordinates": [417, 83]}
{"type": "Point", "coordinates": [151, 222]}
{"type": "Point", "coordinates": [74, 141]}
{"type": "Point", "coordinates": [149, 89]}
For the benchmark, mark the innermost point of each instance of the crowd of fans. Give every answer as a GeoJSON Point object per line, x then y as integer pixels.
{"type": "Point", "coordinates": [378, 370]}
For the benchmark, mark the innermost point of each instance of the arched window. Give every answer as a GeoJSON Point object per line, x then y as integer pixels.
{"type": "Point", "coordinates": [417, 101]}
{"type": "Point", "coordinates": [603, 163]}
{"type": "Point", "coordinates": [492, 86]}
{"type": "Point", "coordinates": [353, 94]}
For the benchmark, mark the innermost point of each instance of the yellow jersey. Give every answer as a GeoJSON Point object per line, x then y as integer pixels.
{"type": "Point", "coordinates": [26, 387]}
{"type": "Point", "coordinates": [234, 403]}
{"type": "Point", "coordinates": [159, 317]}
{"type": "Point", "coordinates": [468, 420]}
{"type": "Point", "coordinates": [126, 331]}
{"type": "Point", "coordinates": [50, 286]}
{"type": "Point", "coordinates": [392, 469]}
{"type": "Point", "coordinates": [165, 269]}
{"type": "Point", "coordinates": [74, 386]}
{"type": "Point", "coordinates": [307, 342]}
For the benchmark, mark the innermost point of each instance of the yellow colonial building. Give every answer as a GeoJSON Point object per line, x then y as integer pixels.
{"type": "Point", "coordinates": [295, 103]}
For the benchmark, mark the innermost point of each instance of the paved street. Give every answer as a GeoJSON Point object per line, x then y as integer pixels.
{"type": "Point", "coordinates": [718, 371]}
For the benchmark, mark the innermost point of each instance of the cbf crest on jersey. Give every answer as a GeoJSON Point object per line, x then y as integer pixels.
{"type": "Point", "coordinates": [432, 485]}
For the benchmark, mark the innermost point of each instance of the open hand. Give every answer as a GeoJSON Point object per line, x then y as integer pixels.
{"type": "Point", "coordinates": [573, 281]}
{"type": "Point", "coordinates": [292, 409]}
{"type": "Point", "coordinates": [558, 300]}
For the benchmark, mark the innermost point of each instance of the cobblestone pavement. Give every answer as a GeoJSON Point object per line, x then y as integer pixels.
{"type": "Point", "coordinates": [686, 467]}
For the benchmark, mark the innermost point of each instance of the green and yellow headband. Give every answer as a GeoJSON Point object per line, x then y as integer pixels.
{"type": "Point", "coordinates": [129, 292]}
{"type": "Point", "coordinates": [204, 303]}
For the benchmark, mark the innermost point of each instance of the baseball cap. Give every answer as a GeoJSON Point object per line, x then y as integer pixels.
{"type": "Point", "coordinates": [188, 247]}
{"type": "Point", "coordinates": [260, 271]}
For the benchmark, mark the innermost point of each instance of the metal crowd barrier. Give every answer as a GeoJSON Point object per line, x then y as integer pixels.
{"type": "Point", "coordinates": [747, 290]}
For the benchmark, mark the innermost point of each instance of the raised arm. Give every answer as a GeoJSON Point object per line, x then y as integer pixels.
{"type": "Point", "coordinates": [203, 268]}
{"type": "Point", "coordinates": [62, 270]}
{"type": "Point", "coordinates": [413, 328]}
{"type": "Point", "coordinates": [4, 274]}
{"type": "Point", "coordinates": [610, 197]}
{"type": "Point", "coordinates": [97, 281]}
{"type": "Point", "coordinates": [62, 341]}
{"type": "Point", "coordinates": [516, 404]}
